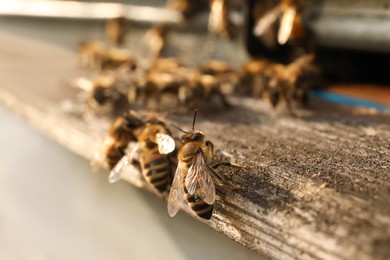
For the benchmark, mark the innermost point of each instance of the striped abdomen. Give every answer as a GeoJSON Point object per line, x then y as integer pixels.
{"type": "Point", "coordinates": [156, 168]}
{"type": "Point", "coordinates": [201, 208]}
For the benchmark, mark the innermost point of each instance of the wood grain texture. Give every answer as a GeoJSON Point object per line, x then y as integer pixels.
{"type": "Point", "coordinates": [318, 186]}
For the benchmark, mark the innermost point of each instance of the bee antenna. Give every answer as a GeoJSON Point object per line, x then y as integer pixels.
{"type": "Point", "coordinates": [178, 128]}
{"type": "Point", "coordinates": [193, 122]}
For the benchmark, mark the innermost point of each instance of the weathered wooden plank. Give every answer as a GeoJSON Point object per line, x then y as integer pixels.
{"type": "Point", "coordinates": [319, 186]}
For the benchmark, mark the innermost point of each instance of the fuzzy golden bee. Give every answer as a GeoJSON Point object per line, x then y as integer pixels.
{"type": "Point", "coordinates": [99, 54]}
{"type": "Point", "coordinates": [123, 130]}
{"type": "Point", "coordinates": [153, 150]}
{"type": "Point", "coordinates": [288, 13]}
{"type": "Point", "coordinates": [195, 175]}
{"type": "Point", "coordinates": [187, 7]}
{"type": "Point", "coordinates": [90, 53]}
{"type": "Point", "coordinates": [153, 86]}
{"type": "Point", "coordinates": [115, 31]}
{"type": "Point", "coordinates": [115, 58]}
{"type": "Point", "coordinates": [289, 83]}
{"type": "Point", "coordinates": [102, 95]}
{"type": "Point", "coordinates": [216, 68]}
{"type": "Point", "coordinates": [276, 82]}
{"type": "Point", "coordinates": [253, 77]}
{"type": "Point", "coordinates": [201, 88]}
{"type": "Point", "coordinates": [219, 20]}
{"type": "Point", "coordinates": [154, 42]}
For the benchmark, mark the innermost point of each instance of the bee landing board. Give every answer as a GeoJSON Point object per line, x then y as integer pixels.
{"type": "Point", "coordinates": [318, 186]}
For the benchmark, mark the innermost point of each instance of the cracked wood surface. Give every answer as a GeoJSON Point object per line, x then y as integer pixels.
{"type": "Point", "coordinates": [318, 186]}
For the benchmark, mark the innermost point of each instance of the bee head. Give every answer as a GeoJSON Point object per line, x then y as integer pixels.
{"type": "Point", "coordinates": [192, 136]}
{"type": "Point", "coordinates": [132, 121]}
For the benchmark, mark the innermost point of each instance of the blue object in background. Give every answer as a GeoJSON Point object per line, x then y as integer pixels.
{"type": "Point", "coordinates": [345, 100]}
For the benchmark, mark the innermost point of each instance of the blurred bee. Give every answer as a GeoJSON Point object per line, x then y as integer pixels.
{"type": "Point", "coordinates": [154, 147]}
{"type": "Point", "coordinates": [154, 43]}
{"type": "Point", "coordinates": [201, 88]}
{"type": "Point", "coordinates": [95, 55]}
{"type": "Point", "coordinates": [254, 76]}
{"type": "Point", "coordinates": [194, 177]}
{"type": "Point", "coordinates": [219, 21]}
{"type": "Point", "coordinates": [187, 7]}
{"type": "Point", "coordinates": [123, 130]}
{"type": "Point", "coordinates": [215, 67]}
{"type": "Point", "coordinates": [166, 65]}
{"type": "Point", "coordinates": [116, 58]}
{"type": "Point", "coordinates": [223, 72]}
{"type": "Point", "coordinates": [115, 31]}
{"type": "Point", "coordinates": [99, 55]}
{"type": "Point", "coordinates": [290, 83]}
{"type": "Point", "coordinates": [103, 95]}
{"type": "Point", "coordinates": [90, 53]}
{"type": "Point", "coordinates": [154, 86]}
{"type": "Point", "coordinates": [288, 13]}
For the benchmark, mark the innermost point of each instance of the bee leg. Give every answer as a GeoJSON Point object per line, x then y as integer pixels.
{"type": "Point", "coordinates": [221, 181]}
{"type": "Point", "coordinates": [288, 99]}
{"type": "Point", "coordinates": [228, 164]}
{"type": "Point", "coordinates": [258, 86]}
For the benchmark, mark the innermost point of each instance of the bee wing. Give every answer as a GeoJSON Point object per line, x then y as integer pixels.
{"type": "Point", "coordinates": [265, 22]}
{"type": "Point", "coordinates": [165, 143]}
{"type": "Point", "coordinates": [176, 194]}
{"type": "Point", "coordinates": [115, 174]}
{"type": "Point", "coordinates": [286, 25]}
{"type": "Point", "coordinates": [200, 178]}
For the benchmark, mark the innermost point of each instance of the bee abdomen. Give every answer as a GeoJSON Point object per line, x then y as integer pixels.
{"type": "Point", "coordinates": [201, 208]}
{"type": "Point", "coordinates": [156, 170]}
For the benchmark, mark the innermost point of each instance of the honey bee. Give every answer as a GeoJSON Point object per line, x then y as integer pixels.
{"type": "Point", "coordinates": [219, 21]}
{"type": "Point", "coordinates": [96, 56]}
{"type": "Point", "coordinates": [115, 31]}
{"type": "Point", "coordinates": [187, 7]}
{"type": "Point", "coordinates": [154, 43]}
{"type": "Point", "coordinates": [166, 65]}
{"type": "Point", "coordinates": [123, 130]}
{"type": "Point", "coordinates": [289, 83]}
{"type": "Point", "coordinates": [154, 86]}
{"type": "Point", "coordinates": [254, 76]}
{"type": "Point", "coordinates": [215, 68]}
{"type": "Point", "coordinates": [190, 86]}
{"type": "Point", "coordinates": [90, 53]}
{"type": "Point", "coordinates": [288, 13]}
{"type": "Point", "coordinates": [154, 147]}
{"type": "Point", "coordinates": [194, 177]}
{"type": "Point", "coordinates": [201, 88]}
{"type": "Point", "coordinates": [223, 72]}
{"type": "Point", "coordinates": [103, 94]}
{"type": "Point", "coordinates": [116, 58]}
